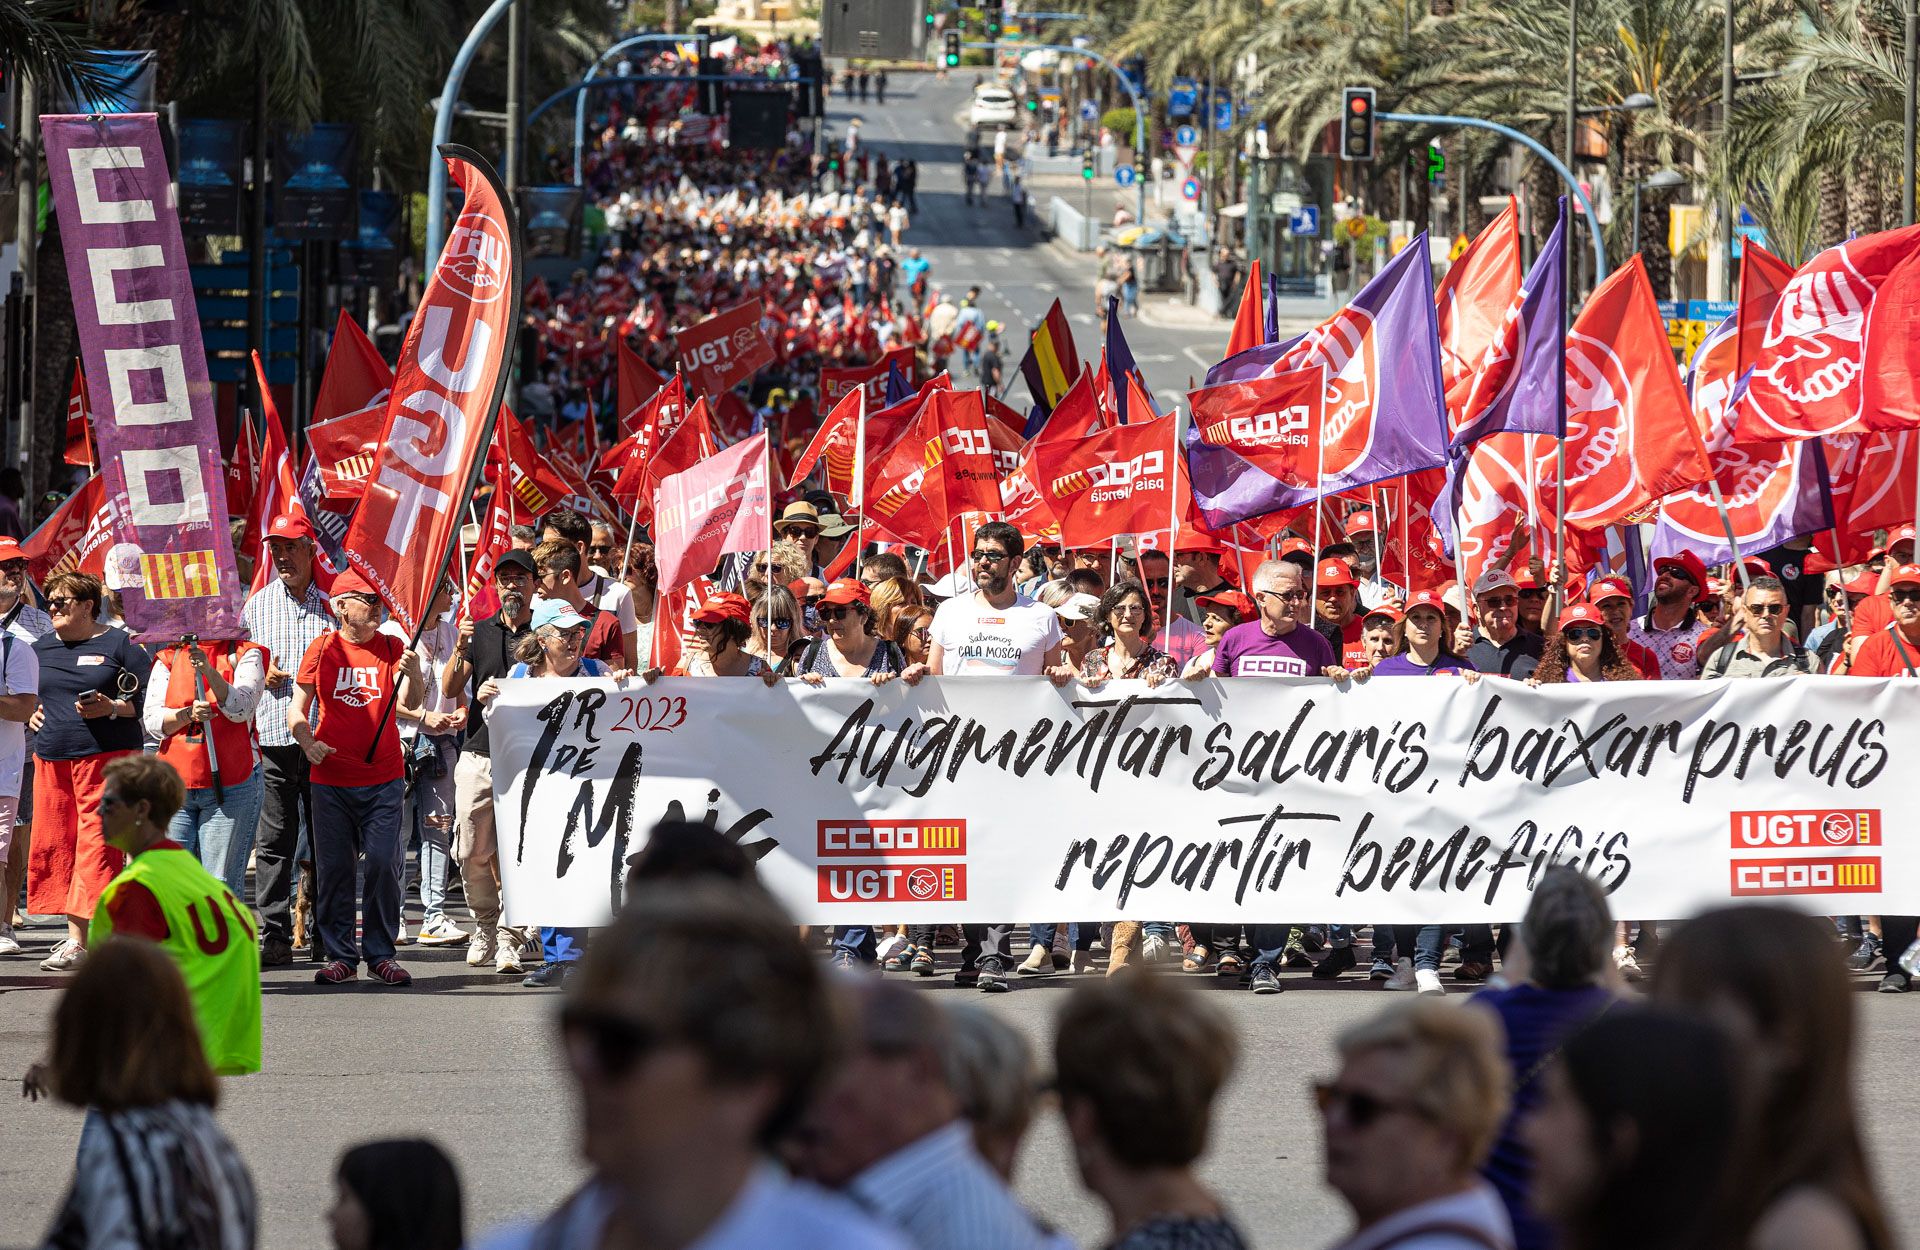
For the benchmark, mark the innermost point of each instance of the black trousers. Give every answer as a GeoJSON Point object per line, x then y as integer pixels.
{"type": "Point", "coordinates": [1897, 932]}
{"type": "Point", "coordinates": [284, 802]}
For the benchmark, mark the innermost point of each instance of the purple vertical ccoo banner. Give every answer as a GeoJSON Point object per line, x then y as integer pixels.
{"type": "Point", "coordinates": [172, 557]}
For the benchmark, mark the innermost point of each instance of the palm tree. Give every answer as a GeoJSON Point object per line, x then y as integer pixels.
{"type": "Point", "coordinates": [39, 40]}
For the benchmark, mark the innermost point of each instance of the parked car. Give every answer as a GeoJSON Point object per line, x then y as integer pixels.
{"type": "Point", "coordinates": [993, 106]}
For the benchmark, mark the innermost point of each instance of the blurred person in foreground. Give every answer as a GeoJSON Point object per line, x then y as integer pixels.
{"type": "Point", "coordinates": [1634, 1139]}
{"type": "Point", "coordinates": [401, 1194]}
{"type": "Point", "coordinates": [1423, 1086]}
{"type": "Point", "coordinates": [1768, 975]}
{"type": "Point", "coordinates": [1139, 1060]}
{"type": "Point", "coordinates": [153, 1168]}
{"type": "Point", "coordinates": [694, 1030]}
{"type": "Point", "coordinates": [991, 1069]}
{"type": "Point", "coordinates": [1561, 983]}
{"type": "Point", "coordinates": [887, 1128]}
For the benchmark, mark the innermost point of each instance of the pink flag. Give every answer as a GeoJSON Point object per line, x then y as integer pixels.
{"type": "Point", "coordinates": [720, 505]}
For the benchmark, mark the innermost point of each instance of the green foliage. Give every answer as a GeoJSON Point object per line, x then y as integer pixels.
{"type": "Point", "coordinates": [1120, 122]}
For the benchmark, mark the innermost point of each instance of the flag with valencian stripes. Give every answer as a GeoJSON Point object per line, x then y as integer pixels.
{"type": "Point", "coordinates": [1051, 363]}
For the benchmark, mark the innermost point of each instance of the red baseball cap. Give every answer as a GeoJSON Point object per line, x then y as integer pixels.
{"type": "Point", "coordinates": [1687, 564]}
{"type": "Point", "coordinates": [1359, 523]}
{"type": "Point", "coordinates": [1900, 534]}
{"type": "Point", "coordinates": [1232, 600]}
{"type": "Point", "coordinates": [1425, 599]}
{"type": "Point", "coordinates": [798, 587]}
{"type": "Point", "coordinates": [1609, 588]}
{"type": "Point", "coordinates": [1336, 573]}
{"type": "Point", "coordinates": [723, 606]}
{"type": "Point", "coordinates": [1756, 567]}
{"type": "Point", "coordinates": [1582, 614]}
{"type": "Point", "coordinates": [1906, 575]}
{"type": "Point", "coordinates": [349, 582]}
{"type": "Point", "coordinates": [1523, 578]}
{"type": "Point", "coordinates": [290, 525]}
{"type": "Point", "coordinates": [1867, 583]}
{"type": "Point", "coordinates": [1289, 546]}
{"type": "Point", "coordinates": [1200, 544]}
{"type": "Point", "coordinates": [10, 550]}
{"type": "Point", "coordinates": [1389, 609]}
{"type": "Point", "coordinates": [848, 590]}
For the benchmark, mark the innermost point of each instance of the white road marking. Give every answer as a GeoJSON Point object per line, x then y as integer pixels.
{"type": "Point", "coordinates": [1196, 358]}
{"type": "Point", "coordinates": [1085, 319]}
{"type": "Point", "coordinates": [1156, 358]}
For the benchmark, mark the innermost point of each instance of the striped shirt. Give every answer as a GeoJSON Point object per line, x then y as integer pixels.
{"type": "Point", "coordinates": [942, 1194]}
{"type": "Point", "coordinates": [26, 622]}
{"type": "Point", "coordinates": [286, 628]}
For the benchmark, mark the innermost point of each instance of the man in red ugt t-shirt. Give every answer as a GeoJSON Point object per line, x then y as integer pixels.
{"type": "Point", "coordinates": [347, 677]}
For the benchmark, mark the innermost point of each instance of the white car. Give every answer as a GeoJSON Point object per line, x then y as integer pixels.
{"type": "Point", "coordinates": [993, 106]}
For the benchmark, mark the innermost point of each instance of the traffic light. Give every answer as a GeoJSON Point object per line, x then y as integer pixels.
{"type": "Point", "coordinates": [953, 48]}
{"type": "Point", "coordinates": [1033, 103]}
{"type": "Point", "coordinates": [1356, 124]}
{"type": "Point", "coordinates": [995, 19]}
{"type": "Point", "coordinates": [1086, 164]}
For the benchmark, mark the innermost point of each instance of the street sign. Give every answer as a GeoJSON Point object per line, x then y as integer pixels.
{"type": "Point", "coordinates": [1124, 175]}
{"type": "Point", "coordinates": [1223, 113]}
{"type": "Point", "coordinates": [1186, 137]}
{"type": "Point", "coordinates": [1089, 111]}
{"type": "Point", "coordinates": [1304, 222]}
{"type": "Point", "coordinates": [1191, 188]}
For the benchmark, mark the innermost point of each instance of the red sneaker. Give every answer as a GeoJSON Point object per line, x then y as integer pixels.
{"type": "Point", "coordinates": [390, 971]}
{"type": "Point", "coordinates": [339, 972]}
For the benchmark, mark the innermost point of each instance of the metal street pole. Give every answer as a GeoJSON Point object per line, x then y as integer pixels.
{"type": "Point", "coordinates": [512, 157]}
{"type": "Point", "coordinates": [1725, 226]}
{"type": "Point", "coordinates": [443, 128]}
{"type": "Point", "coordinates": [1573, 123]}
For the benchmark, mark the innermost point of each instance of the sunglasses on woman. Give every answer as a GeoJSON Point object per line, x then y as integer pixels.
{"type": "Point", "coordinates": [616, 1043]}
{"type": "Point", "coordinates": [1587, 633]}
{"type": "Point", "coordinates": [1360, 1108]}
{"type": "Point", "coordinates": [840, 613]}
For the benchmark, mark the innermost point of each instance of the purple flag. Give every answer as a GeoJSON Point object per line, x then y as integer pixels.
{"type": "Point", "coordinates": [1517, 384]}
{"type": "Point", "coordinates": [1385, 413]}
{"type": "Point", "coordinates": [172, 558]}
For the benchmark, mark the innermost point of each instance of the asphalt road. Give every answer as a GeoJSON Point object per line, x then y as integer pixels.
{"type": "Point", "coordinates": [469, 1058]}
{"type": "Point", "coordinates": [976, 244]}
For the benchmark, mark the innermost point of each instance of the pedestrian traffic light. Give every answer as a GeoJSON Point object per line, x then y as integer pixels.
{"type": "Point", "coordinates": [1086, 164]}
{"type": "Point", "coordinates": [953, 48]}
{"type": "Point", "coordinates": [1356, 124]}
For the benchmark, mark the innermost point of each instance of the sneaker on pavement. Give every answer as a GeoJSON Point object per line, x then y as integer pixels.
{"type": "Point", "coordinates": [921, 965]}
{"type": "Point", "coordinates": [966, 978]}
{"type": "Point", "coordinates": [1294, 954]}
{"type": "Point", "coordinates": [1039, 963]}
{"type": "Point", "coordinates": [1402, 978]}
{"type": "Point", "coordinates": [1629, 966]}
{"type": "Point", "coordinates": [1473, 972]}
{"type": "Point", "coordinates": [390, 972]}
{"type": "Point", "coordinates": [441, 931]}
{"type": "Point", "coordinates": [401, 937]}
{"type": "Point", "coordinates": [275, 952]}
{"type": "Point", "coordinates": [481, 948]}
{"type": "Point", "coordinates": [1865, 955]}
{"type": "Point", "coordinates": [9, 945]}
{"type": "Point", "coordinates": [991, 982]}
{"type": "Point", "coordinates": [1895, 983]}
{"type": "Point", "coordinates": [1153, 948]}
{"type": "Point", "coordinates": [1336, 961]}
{"type": "Point", "coordinates": [552, 976]}
{"type": "Point", "coordinates": [1264, 981]}
{"type": "Point", "coordinates": [506, 960]}
{"type": "Point", "coordinates": [1381, 970]}
{"type": "Point", "coordinates": [339, 972]}
{"type": "Point", "coordinates": [65, 957]}
{"type": "Point", "coordinates": [1427, 981]}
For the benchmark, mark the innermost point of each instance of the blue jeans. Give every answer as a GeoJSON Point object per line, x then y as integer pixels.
{"type": "Point", "coordinates": [348, 822]}
{"type": "Point", "coordinates": [1080, 934]}
{"type": "Point", "coordinates": [562, 946]}
{"type": "Point", "coordinates": [857, 941]}
{"type": "Point", "coordinates": [1269, 942]}
{"type": "Point", "coordinates": [220, 834]}
{"type": "Point", "coordinates": [429, 803]}
{"type": "Point", "coordinates": [1422, 943]}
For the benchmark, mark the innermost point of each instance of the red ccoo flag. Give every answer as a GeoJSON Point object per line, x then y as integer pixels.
{"type": "Point", "coordinates": [1271, 422]}
{"type": "Point", "coordinates": [1120, 481]}
{"type": "Point", "coordinates": [79, 421]}
{"type": "Point", "coordinates": [446, 395]}
{"type": "Point", "coordinates": [721, 505]}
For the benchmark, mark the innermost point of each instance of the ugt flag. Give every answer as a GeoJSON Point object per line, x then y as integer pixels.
{"type": "Point", "coordinates": [447, 393]}
{"type": "Point", "coordinates": [717, 507]}
{"type": "Point", "coordinates": [724, 350]}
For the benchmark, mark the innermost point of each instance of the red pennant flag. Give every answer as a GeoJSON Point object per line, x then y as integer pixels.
{"type": "Point", "coordinates": [1873, 486]}
{"type": "Point", "coordinates": [442, 416]}
{"type": "Point", "coordinates": [277, 492]}
{"type": "Point", "coordinates": [1630, 434]}
{"type": "Point", "coordinates": [79, 421]}
{"type": "Point", "coordinates": [837, 384]}
{"type": "Point", "coordinates": [639, 382]}
{"type": "Point", "coordinates": [349, 412]}
{"type": "Point", "coordinates": [690, 441]}
{"type": "Point", "coordinates": [1763, 279]}
{"type": "Point", "coordinates": [1411, 553]}
{"type": "Point", "coordinates": [495, 539]}
{"type": "Point", "coordinates": [536, 486]}
{"type": "Point", "coordinates": [76, 537]}
{"type": "Point", "coordinates": [1271, 422]}
{"type": "Point", "coordinates": [1249, 320]}
{"type": "Point", "coordinates": [243, 469]}
{"type": "Point", "coordinates": [941, 468]}
{"type": "Point", "coordinates": [1833, 351]}
{"type": "Point", "coordinates": [724, 350]}
{"type": "Point", "coordinates": [835, 440]}
{"type": "Point", "coordinates": [1473, 300]}
{"type": "Point", "coordinates": [1120, 481]}
{"type": "Point", "coordinates": [721, 505]}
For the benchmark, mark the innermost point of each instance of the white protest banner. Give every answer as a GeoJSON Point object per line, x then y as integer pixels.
{"type": "Point", "coordinates": [1395, 801]}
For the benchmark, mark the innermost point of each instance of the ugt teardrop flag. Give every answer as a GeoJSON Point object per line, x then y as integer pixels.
{"type": "Point", "coordinates": [447, 392]}
{"type": "Point", "coordinates": [172, 554]}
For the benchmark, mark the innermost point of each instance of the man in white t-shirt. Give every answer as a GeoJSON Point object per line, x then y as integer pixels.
{"type": "Point", "coordinates": [994, 631]}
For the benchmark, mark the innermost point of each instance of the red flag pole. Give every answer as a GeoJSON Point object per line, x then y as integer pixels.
{"type": "Point", "coordinates": [767, 594]}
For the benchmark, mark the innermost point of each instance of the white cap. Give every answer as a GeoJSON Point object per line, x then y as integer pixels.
{"type": "Point", "coordinates": [1492, 580]}
{"type": "Point", "coordinates": [955, 583]}
{"type": "Point", "coordinates": [1078, 607]}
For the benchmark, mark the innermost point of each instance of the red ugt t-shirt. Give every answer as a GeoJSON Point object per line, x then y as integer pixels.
{"type": "Point", "coordinates": [353, 682]}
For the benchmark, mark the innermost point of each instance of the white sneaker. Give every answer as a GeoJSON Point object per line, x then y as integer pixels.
{"type": "Point", "coordinates": [897, 944]}
{"type": "Point", "coordinates": [508, 958]}
{"type": "Point", "coordinates": [1153, 949]}
{"type": "Point", "coordinates": [1039, 963]}
{"type": "Point", "coordinates": [480, 948]}
{"type": "Point", "coordinates": [401, 938]}
{"type": "Point", "coordinates": [1402, 978]}
{"type": "Point", "coordinates": [1629, 966]}
{"type": "Point", "coordinates": [65, 957]}
{"type": "Point", "coordinates": [1427, 981]}
{"type": "Point", "coordinates": [441, 931]}
{"type": "Point", "coordinates": [9, 945]}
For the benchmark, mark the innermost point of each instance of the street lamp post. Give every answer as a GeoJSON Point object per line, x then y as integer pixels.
{"type": "Point", "coordinates": [1659, 180]}
{"type": "Point", "coordinates": [443, 127]}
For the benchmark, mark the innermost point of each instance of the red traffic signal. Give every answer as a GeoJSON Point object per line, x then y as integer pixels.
{"type": "Point", "coordinates": [1356, 124]}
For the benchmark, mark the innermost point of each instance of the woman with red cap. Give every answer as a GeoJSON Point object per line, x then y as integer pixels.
{"type": "Point", "coordinates": [850, 644]}
{"type": "Point", "coordinates": [721, 630]}
{"type": "Point", "coordinates": [1582, 649]}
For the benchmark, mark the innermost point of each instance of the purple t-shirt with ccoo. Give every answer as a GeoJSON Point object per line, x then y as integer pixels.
{"type": "Point", "coordinates": [1248, 651]}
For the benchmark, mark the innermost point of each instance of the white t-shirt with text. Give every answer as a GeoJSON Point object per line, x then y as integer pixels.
{"type": "Point", "coordinates": [977, 638]}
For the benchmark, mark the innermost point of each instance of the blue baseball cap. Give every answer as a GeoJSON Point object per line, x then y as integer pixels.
{"type": "Point", "coordinates": [556, 612]}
